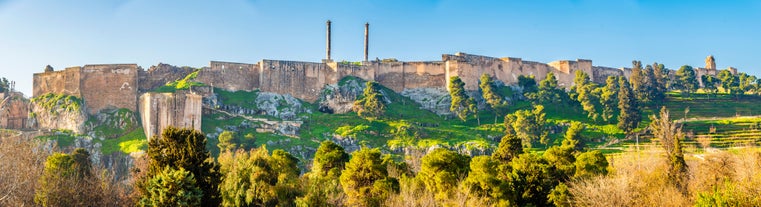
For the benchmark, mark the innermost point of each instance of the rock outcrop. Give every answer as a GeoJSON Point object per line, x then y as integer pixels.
{"type": "Point", "coordinates": [339, 98]}
{"type": "Point", "coordinates": [60, 111]}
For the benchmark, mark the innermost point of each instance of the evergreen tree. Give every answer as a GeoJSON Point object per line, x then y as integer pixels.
{"type": "Point", "coordinates": [67, 180]}
{"type": "Point", "coordinates": [637, 78]}
{"type": "Point", "coordinates": [186, 149]}
{"type": "Point", "coordinates": [371, 105]}
{"type": "Point", "coordinates": [590, 164]}
{"type": "Point", "coordinates": [584, 94]}
{"type": "Point", "coordinates": [172, 188]}
{"type": "Point", "coordinates": [548, 92]}
{"type": "Point", "coordinates": [527, 83]}
{"type": "Point", "coordinates": [226, 141]}
{"type": "Point", "coordinates": [629, 116]}
{"type": "Point", "coordinates": [323, 185]}
{"type": "Point", "coordinates": [729, 82]}
{"type": "Point", "coordinates": [686, 79]}
{"type": "Point", "coordinates": [257, 178]}
{"type": "Point", "coordinates": [483, 181]}
{"type": "Point", "coordinates": [649, 90]}
{"type": "Point", "coordinates": [533, 178]}
{"type": "Point", "coordinates": [509, 147]}
{"type": "Point", "coordinates": [710, 84]}
{"type": "Point", "coordinates": [441, 170]}
{"type": "Point", "coordinates": [661, 83]}
{"type": "Point", "coordinates": [670, 134]}
{"type": "Point", "coordinates": [529, 126]}
{"type": "Point", "coordinates": [365, 179]}
{"type": "Point", "coordinates": [493, 99]}
{"type": "Point", "coordinates": [609, 99]}
{"type": "Point", "coordinates": [461, 103]}
{"type": "Point", "coordinates": [746, 82]}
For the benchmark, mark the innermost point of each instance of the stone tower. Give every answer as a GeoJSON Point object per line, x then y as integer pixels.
{"type": "Point", "coordinates": [710, 63]}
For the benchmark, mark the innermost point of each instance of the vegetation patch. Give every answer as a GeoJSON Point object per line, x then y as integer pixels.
{"type": "Point", "coordinates": [182, 84]}
{"type": "Point", "coordinates": [51, 102]}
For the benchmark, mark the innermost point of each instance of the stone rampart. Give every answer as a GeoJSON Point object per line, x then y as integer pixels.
{"type": "Point", "coordinates": [109, 86]}
{"type": "Point", "coordinates": [159, 75]}
{"type": "Point", "coordinates": [60, 82]}
{"type": "Point", "coordinates": [230, 76]}
{"type": "Point", "coordinates": [160, 110]}
{"type": "Point", "coordinates": [303, 80]}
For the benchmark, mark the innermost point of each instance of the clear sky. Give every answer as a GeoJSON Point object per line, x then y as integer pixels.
{"type": "Point", "coordinates": [611, 33]}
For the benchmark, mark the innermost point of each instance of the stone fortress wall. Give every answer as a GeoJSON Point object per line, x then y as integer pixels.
{"type": "Point", "coordinates": [100, 86]}
{"type": "Point", "coordinates": [120, 85]}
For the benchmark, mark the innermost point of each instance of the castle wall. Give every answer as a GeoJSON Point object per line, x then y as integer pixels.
{"type": "Point", "coordinates": [160, 110]}
{"type": "Point", "coordinates": [59, 82]}
{"type": "Point", "coordinates": [601, 74]}
{"type": "Point", "coordinates": [231, 76]}
{"type": "Point", "coordinates": [405, 75]}
{"type": "Point", "coordinates": [159, 75]}
{"type": "Point", "coordinates": [470, 68]}
{"type": "Point", "coordinates": [109, 86]}
{"type": "Point", "coordinates": [14, 111]}
{"type": "Point", "coordinates": [303, 80]}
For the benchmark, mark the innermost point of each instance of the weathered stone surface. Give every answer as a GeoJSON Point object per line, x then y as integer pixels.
{"type": "Point", "coordinates": [58, 117]}
{"type": "Point", "coordinates": [340, 98]}
{"type": "Point", "coordinates": [14, 111]}
{"type": "Point", "coordinates": [160, 110]}
{"type": "Point", "coordinates": [230, 76]}
{"type": "Point", "coordinates": [159, 75]}
{"type": "Point", "coordinates": [285, 107]}
{"type": "Point", "coordinates": [436, 100]}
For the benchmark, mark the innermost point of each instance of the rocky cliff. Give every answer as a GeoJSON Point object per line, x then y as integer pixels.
{"type": "Point", "coordinates": [58, 111]}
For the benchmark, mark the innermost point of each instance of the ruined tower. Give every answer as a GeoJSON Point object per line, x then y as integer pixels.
{"type": "Point", "coordinates": [327, 47]}
{"type": "Point", "coordinates": [367, 38]}
{"type": "Point", "coordinates": [710, 63]}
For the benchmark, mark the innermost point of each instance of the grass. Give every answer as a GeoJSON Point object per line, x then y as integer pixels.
{"type": "Point", "coordinates": [52, 102]}
{"type": "Point", "coordinates": [243, 99]}
{"type": "Point", "coordinates": [63, 138]}
{"type": "Point", "coordinates": [131, 142]}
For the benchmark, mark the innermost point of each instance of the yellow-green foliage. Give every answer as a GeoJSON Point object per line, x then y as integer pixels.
{"type": "Point", "coordinates": [182, 84]}
{"type": "Point", "coordinates": [51, 102]}
{"type": "Point", "coordinates": [346, 131]}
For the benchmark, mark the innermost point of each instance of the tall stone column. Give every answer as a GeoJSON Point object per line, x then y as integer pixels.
{"type": "Point", "coordinates": [327, 47]}
{"type": "Point", "coordinates": [367, 38]}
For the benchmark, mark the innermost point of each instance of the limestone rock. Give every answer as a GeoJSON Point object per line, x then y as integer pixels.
{"type": "Point", "coordinates": [58, 115]}
{"type": "Point", "coordinates": [339, 98]}
{"type": "Point", "coordinates": [436, 100]}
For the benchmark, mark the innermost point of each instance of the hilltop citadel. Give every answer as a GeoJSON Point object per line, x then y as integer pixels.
{"type": "Point", "coordinates": [129, 86]}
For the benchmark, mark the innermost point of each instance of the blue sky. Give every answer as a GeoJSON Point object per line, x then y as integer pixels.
{"type": "Point", "coordinates": [611, 33]}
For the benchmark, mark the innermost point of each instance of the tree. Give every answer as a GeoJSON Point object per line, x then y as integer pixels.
{"type": "Point", "coordinates": [648, 91]}
{"type": "Point", "coordinates": [729, 82]}
{"type": "Point", "coordinates": [563, 157]}
{"type": "Point", "coordinates": [483, 180]}
{"type": "Point", "coordinates": [548, 92]}
{"type": "Point", "coordinates": [509, 147]}
{"type": "Point", "coordinates": [637, 78]}
{"type": "Point", "coordinates": [533, 179]}
{"type": "Point", "coordinates": [629, 115]}
{"type": "Point", "coordinates": [661, 82]}
{"type": "Point", "coordinates": [67, 180]}
{"type": "Point", "coordinates": [584, 94]}
{"type": "Point", "coordinates": [226, 141]}
{"type": "Point", "coordinates": [686, 80]}
{"type": "Point", "coordinates": [256, 178]}
{"type": "Point", "coordinates": [527, 83]}
{"type": "Point", "coordinates": [183, 148]}
{"type": "Point", "coordinates": [172, 188]}
{"type": "Point", "coordinates": [441, 170]}
{"type": "Point", "coordinates": [461, 103]}
{"type": "Point", "coordinates": [609, 99]}
{"type": "Point", "coordinates": [365, 179]}
{"type": "Point", "coordinates": [371, 105]}
{"type": "Point", "coordinates": [329, 160]}
{"type": "Point", "coordinates": [670, 134]}
{"type": "Point", "coordinates": [746, 82]}
{"type": "Point", "coordinates": [323, 187]}
{"type": "Point", "coordinates": [493, 99]}
{"type": "Point", "coordinates": [590, 164]}
{"type": "Point", "coordinates": [529, 126]}
{"type": "Point", "coordinates": [709, 84]}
